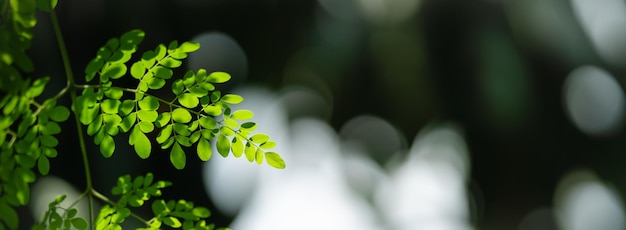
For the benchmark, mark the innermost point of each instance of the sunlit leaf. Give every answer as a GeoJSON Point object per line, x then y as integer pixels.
{"type": "Point", "coordinates": [274, 160]}
{"type": "Point", "coordinates": [107, 146]}
{"type": "Point", "coordinates": [259, 138]}
{"type": "Point", "coordinates": [212, 110]}
{"type": "Point", "coordinates": [259, 156]}
{"type": "Point", "coordinates": [181, 115]}
{"type": "Point", "coordinates": [188, 47]}
{"type": "Point", "coordinates": [250, 151]}
{"type": "Point", "coordinates": [177, 157]}
{"type": "Point", "coordinates": [207, 122]}
{"type": "Point", "coordinates": [126, 107]}
{"type": "Point", "coordinates": [146, 127]}
{"type": "Point", "coordinates": [162, 72]}
{"type": "Point", "coordinates": [188, 100]}
{"type": "Point", "coordinates": [147, 115]}
{"type": "Point", "coordinates": [114, 92]}
{"type": "Point", "coordinates": [218, 77]}
{"type": "Point", "coordinates": [137, 70]}
{"type": "Point", "coordinates": [237, 147]}
{"type": "Point", "coordinates": [204, 149]}
{"type": "Point", "coordinates": [149, 103]}
{"type": "Point", "coordinates": [110, 106]}
{"type": "Point", "coordinates": [223, 145]}
{"type": "Point", "coordinates": [141, 143]}
{"type": "Point", "coordinates": [164, 134]}
{"type": "Point", "coordinates": [178, 87]}
{"type": "Point", "coordinates": [268, 145]}
{"type": "Point", "coordinates": [37, 87]}
{"type": "Point", "coordinates": [232, 99]}
{"type": "Point", "coordinates": [242, 114]}
{"type": "Point", "coordinates": [113, 71]}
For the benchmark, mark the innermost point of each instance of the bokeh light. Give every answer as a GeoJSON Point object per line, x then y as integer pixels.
{"type": "Point", "coordinates": [428, 189]}
{"type": "Point", "coordinates": [594, 101]}
{"type": "Point", "coordinates": [220, 52]}
{"type": "Point", "coordinates": [603, 21]}
{"type": "Point", "coordinates": [583, 201]}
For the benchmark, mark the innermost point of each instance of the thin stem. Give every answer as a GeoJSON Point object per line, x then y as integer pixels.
{"type": "Point", "coordinates": [70, 82]}
{"type": "Point", "coordinates": [98, 195]}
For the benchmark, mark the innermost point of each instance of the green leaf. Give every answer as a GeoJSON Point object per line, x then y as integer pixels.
{"type": "Point", "coordinates": [189, 79]}
{"type": "Point", "coordinates": [94, 126]}
{"type": "Point", "coordinates": [259, 156]}
{"type": "Point", "coordinates": [259, 138]}
{"type": "Point", "coordinates": [8, 214]}
{"type": "Point", "coordinates": [171, 62]}
{"type": "Point", "coordinates": [147, 115]}
{"type": "Point", "coordinates": [128, 122]}
{"type": "Point", "coordinates": [114, 92]}
{"type": "Point", "coordinates": [178, 87]}
{"type": "Point", "coordinates": [43, 164]}
{"type": "Point", "coordinates": [232, 99]}
{"type": "Point", "coordinates": [177, 157]}
{"type": "Point", "coordinates": [188, 100]}
{"type": "Point", "coordinates": [225, 130]}
{"type": "Point", "coordinates": [250, 126]}
{"type": "Point", "coordinates": [107, 146]}
{"type": "Point", "coordinates": [201, 212]}
{"type": "Point", "coordinates": [110, 106]}
{"type": "Point", "coordinates": [146, 127]}
{"type": "Point", "coordinates": [149, 103]}
{"type": "Point", "coordinates": [198, 91]}
{"type": "Point", "coordinates": [92, 68]}
{"type": "Point", "coordinates": [242, 115]}
{"type": "Point", "coordinates": [250, 151]}
{"type": "Point", "coordinates": [126, 107]}
{"type": "Point", "coordinates": [87, 115]}
{"type": "Point", "coordinates": [137, 70]}
{"type": "Point", "coordinates": [59, 113]}
{"type": "Point", "coordinates": [212, 110]}
{"type": "Point", "coordinates": [113, 71]}
{"type": "Point", "coordinates": [189, 47]}
{"type": "Point", "coordinates": [218, 77]}
{"type": "Point", "coordinates": [268, 145]}
{"type": "Point", "coordinates": [155, 83]}
{"type": "Point", "coordinates": [163, 119]}
{"type": "Point", "coordinates": [274, 160]}
{"type": "Point", "coordinates": [223, 145]}
{"type": "Point", "coordinates": [164, 134]}
{"type": "Point", "coordinates": [37, 87]}
{"type": "Point", "coordinates": [141, 143]}
{"type": "Point", "coordinates": [204, 149]}
{"type": "Point", "coordinates": [49, 141]}
{"type": "Point", "coordinates": [79, 223]}
{"type": "Point", "coordinates": [172, 222]}
{"type": "Point", "coordinates": [207, 122]}
{"type": "Point", "coordinates": [50, 128]}
{"type": "Point", "coordinates": [181, 115]}
{"type": "Point", "coordinates": [237, 147]}
{"type": "Point", "coordinates": [162, 72]}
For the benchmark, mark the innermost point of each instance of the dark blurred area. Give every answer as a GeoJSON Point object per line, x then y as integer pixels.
{"type": "Point", "coordinates": [511, 73]}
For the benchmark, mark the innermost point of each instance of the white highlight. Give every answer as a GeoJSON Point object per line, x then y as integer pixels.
{"type": "Point", "coordinates": [594, 101]}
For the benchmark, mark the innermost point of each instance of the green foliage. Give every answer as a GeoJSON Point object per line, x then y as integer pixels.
{"type": "Point", "coordinates": [197, 114]}
{"type": "Point", "coordinates": [67, 219]}
{"type": "Point", "coordinates": [193, 116]}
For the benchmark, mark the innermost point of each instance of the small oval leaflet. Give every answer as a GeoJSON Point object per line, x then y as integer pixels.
{"type": "Point", "coordinates": [274, 160]}
{"type": "Point", "coordinates": [218, 77]}
{"type": "Point", "coordinates": [181, 115]}
{"type": "Point", "coordinates": [223, 145]}
{"type": "Point", "coordinates": [188, 100]}
{"type": "Point", "coordinates": [242, 114]}
{"type": "Point", "coordinates": [259, 138]}
{"type": "Point", "coordinates": [204, 149]}
{"type": "Point", "coordinates": [149, 103]}
{"type": "Point", "coordinates": [232, 99]}
{"type": "Point", "coordinates": [177, 157]}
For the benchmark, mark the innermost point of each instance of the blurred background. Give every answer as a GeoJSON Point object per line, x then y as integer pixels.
{"type": "Point", "coordinates": [390, 114]}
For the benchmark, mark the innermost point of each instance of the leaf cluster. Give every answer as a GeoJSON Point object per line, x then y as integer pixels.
{"type": "Point", "coordinates": [197, 114]}
{"type": "Point", "coordinates": [67, 219]}
{"type": "Point", "coordinates": [135, 192]}
{"type": "Point", "coordinates": [27, 139]}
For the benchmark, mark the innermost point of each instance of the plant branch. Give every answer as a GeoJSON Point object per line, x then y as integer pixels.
{"type": "Point", "coordinates": [70, 81]}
